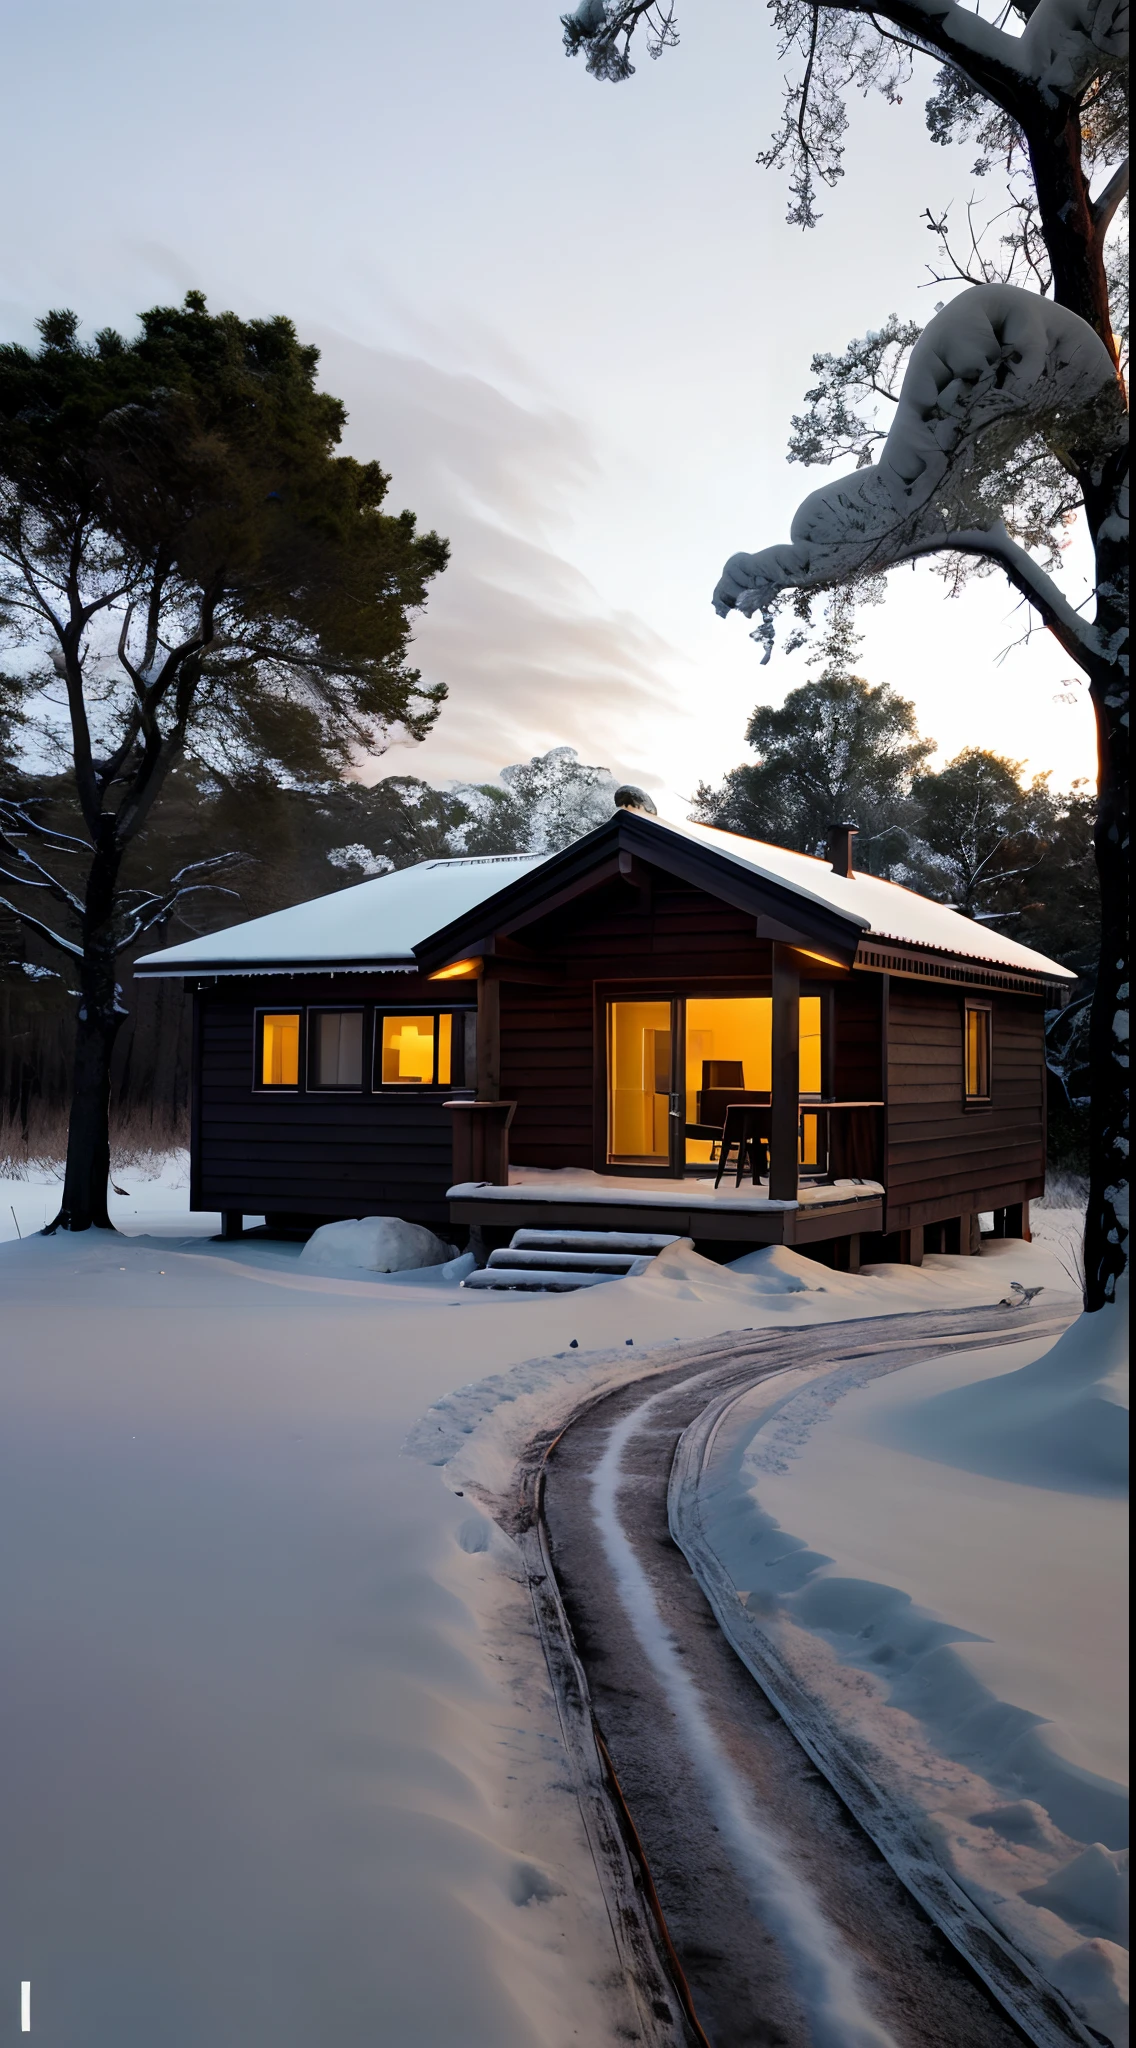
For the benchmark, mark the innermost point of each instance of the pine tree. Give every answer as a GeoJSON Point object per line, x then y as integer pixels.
{"type": "Point", "coordinates": [837, 749]}
{"type": "Point", "coordinates": [187, 567]}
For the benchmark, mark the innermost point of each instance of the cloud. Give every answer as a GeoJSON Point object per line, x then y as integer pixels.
{"type": "Point", "coordinates": [532, 656]}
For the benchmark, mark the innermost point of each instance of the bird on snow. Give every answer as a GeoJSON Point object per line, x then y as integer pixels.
{"type": "Point", "coordinates": [1022, 1295]}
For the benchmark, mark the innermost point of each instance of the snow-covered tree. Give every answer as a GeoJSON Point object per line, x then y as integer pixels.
{"type": "Point", "coordinates": [1008, 411]}
{"type": "Point", "coordinates": [538, 806]}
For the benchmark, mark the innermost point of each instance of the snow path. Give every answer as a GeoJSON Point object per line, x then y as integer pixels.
{"type": "Point", "coordinates": [826, 1980]}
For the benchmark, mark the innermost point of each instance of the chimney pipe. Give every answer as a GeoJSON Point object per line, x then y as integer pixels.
{"type": "Point", "coordinates": [840, 839]}
{"type": "Point", "coordinates": [629, 797]}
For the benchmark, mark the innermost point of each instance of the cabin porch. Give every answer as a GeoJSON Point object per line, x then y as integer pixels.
{"type": "Point", "coordinates": [573, 1198]}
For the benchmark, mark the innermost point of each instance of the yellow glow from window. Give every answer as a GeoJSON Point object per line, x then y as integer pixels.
{"type": "Point", "coordinates": [461, 970]}
{"type": "Point", "coordinates": [729, 1045]}
{"type": "Point", "coordinates": [978, 1053]}
{"type": "Point", "coordinates": [639, 1065]}
{"type": "Point", "coordinates": [445, 1049]}
{"type": "Point", "coordinates": [280, 1052]}
{"type": "Point", "coordinates": [810, 1045]}
{"type": "Point", "coordinates": [408, 1051]}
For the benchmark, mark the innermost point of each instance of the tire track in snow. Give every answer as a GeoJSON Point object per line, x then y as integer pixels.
{"type": "Point", "coordinates": [824, 1974]}
{"type": "Point", "coordinates": [742, 1977]}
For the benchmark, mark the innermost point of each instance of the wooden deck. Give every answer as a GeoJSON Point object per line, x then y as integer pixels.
{"type": "Point", "coordinates": [573, 1198]}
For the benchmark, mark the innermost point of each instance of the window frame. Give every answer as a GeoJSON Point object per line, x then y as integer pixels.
{"type": "Point", "coordinates": [311, 1048]}
{"type": "Point", "coordinates": [981, 1006]}
{"type": "Point", "coordinates": [678, 991]}
{"type": "Point", "coordinates": [629, 1166]}
{"type": "Point", "coordinates": [454, 1011]}
{"type": "Point", "coordinates": [259, 1085]}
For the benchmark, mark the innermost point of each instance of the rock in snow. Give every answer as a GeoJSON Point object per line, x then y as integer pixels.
{"type": "Point", "coordinates": [381, 1244]}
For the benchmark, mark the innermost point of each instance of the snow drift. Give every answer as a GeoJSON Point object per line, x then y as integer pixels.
{"type": "Point", "coordinates": [380, 1244]}
{"type": "Point", "coordinates": [938, 1554]}
{"type": "Point", "coordinates": [1060, 1422]}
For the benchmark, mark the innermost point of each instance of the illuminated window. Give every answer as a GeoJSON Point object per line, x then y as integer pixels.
{"type": "Point", "coordinates": [977, 1050]}
{"type": "Point", "coordinates": [279, 1049]}
{"type": "Point", "coordinates": [639, 1088]}
{"type": "Point", "coordinates": [729, 1056]}
{"type": "Point", "coordinates": [417, 1052]}
{"type": "Point", "coordinates": [810, 1067]}
{"type": "Point", "coordinates": [335, 1039]}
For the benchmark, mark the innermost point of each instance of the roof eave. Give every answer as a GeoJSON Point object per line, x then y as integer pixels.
{"type": "Point", "coordinates": [156, 969]}
{"type": "Point", "coordinates": [926, 959]}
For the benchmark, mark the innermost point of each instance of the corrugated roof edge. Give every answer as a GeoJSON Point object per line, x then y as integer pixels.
{"type": "Point", "coordinates": [1046, 968]}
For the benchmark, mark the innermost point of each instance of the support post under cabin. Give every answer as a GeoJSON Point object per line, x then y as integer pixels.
{"type": "Point", "coordinates": [784, 1113]}
{"type": "Point", "coordinates": [488, 1037]}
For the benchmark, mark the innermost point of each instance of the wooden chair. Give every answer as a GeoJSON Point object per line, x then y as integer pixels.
{"type": "Point", "coordinates": [746, 1126]}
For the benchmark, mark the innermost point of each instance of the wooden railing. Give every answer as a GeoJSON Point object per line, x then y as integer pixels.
{"type": "Point", "coordinates": [481, 1141]}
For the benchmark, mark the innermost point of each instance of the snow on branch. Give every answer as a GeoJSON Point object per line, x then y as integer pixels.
{"type": "Point", "coordinates": [151, 907]}
{"type": "Point", "coordinates": [1064, 45]}
{"type": "Point", "coordinates": [1065, 42]}
{"type": "Point", "coordinates": [36, 924]}
{"type": "Point", "coordinates": [998, 370]}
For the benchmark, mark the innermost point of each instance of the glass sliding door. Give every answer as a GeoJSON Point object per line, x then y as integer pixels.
{"type": "Point", "coordinates": [641, 1085]}
{"type": "Point", "coordinates": [729, 1058]}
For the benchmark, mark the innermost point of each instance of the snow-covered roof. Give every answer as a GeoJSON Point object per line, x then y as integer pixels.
{"type": "Point", "coordinates": [887, 909]}
{"type": "Point", "coordinates": [379, 923]}
{"type": "Point", "coordinates": [373, 924]}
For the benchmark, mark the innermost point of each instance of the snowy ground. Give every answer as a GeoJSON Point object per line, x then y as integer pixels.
{"type": "Point", "coordinates": [278, 1751]}
{"type": "Point", "coordinates": [150, 1194]}
{"type": "Point", "coordinates": [939, 1554]}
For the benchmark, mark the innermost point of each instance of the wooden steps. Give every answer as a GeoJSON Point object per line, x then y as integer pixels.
{"type": "Point", "coordinates": [558, 1261]}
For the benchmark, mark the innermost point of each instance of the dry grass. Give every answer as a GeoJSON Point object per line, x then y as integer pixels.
{"type": "Point", "coordinates": [138, 1138]}
{"type": "Point", "coordinates": [1063, 1191]}
{"type": "Point", "coordinates": [1058, 1220]}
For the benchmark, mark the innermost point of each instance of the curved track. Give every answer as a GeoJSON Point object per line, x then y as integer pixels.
{"type": "Point", "coordinates": [786, 1924]}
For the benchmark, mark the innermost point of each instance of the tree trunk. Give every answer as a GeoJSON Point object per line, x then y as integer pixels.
{"type": "Point", "coordinates": [1071, 239]}
{"type": "Point", "coordinates": [1106, 1225]}
{"type": "Point", "coordinates": [86, 1177]}
{"type": "Point", "coordinates": [85, 1184]}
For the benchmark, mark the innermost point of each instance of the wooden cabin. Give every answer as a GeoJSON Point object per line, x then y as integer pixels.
{"type": "Point", "coordinates": [662, 1028]}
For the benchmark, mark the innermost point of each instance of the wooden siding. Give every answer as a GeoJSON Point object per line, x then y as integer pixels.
{"type": "Point", "coordinates": [857, 1068]}
{"type": "Point", "coordinates": [945, 1157]}
{"type": "Point", "coordinates": [665, 930]}
{"type": "Point", "coordinates": [546, 1069]}
{"type": "Point", "coordinates": [313, 1153]}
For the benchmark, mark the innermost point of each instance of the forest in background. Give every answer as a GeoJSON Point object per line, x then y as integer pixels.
{"type": "Point", "coordinates": [973, 834]}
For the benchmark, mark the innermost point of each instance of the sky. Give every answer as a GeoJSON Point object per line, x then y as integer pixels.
{"type": "Point", "coordinates": [567, 317]}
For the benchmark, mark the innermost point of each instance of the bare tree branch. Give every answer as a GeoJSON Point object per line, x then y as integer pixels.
{"type": "Point", "coordinates": [1114, 195]}
{"type": "Point", "coordinates": [46, 880]}
{"type": "Point", "coordinates": [162, 906]}
{"type": "Point", "coordinates": [35, 924]}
